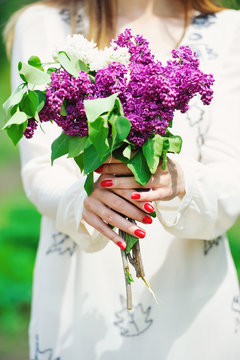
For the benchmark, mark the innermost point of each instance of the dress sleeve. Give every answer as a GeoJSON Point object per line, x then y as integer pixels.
{"type": "Point", "coordinates": [56, 191]}
{"type": "Point", "coordinates": [212, 201]}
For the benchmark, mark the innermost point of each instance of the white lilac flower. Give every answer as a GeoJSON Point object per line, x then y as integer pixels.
{"type": "Point", "coordinates": [88, 52]}
{"type": "Point", "coordinates": [80, 47]}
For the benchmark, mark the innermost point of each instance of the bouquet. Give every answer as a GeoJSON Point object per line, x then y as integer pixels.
{"type": "Point", "coordinates": [117, 102]}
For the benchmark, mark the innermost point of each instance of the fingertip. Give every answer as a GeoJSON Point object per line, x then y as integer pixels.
{"type": "Point", "coordinates": [135, 196]}
{"type": "Point", "coordinates": [147, 220]}
{"type": "Point", "coordinates": [149, 208]}
{"type": "Point", "coordinates": [106, 183]}
{"type": "Point", "coordinates": [99, 170]}
{"type": "Point", "coordinates": [122, 245]}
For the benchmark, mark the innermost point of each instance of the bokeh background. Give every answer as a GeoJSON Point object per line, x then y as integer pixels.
{"type": "Point", "coordinates": [19, 226]}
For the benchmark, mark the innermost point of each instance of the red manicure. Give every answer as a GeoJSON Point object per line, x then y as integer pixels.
{"type": "Point", "coordinates": [140, 233]}
{"type": "Point", "coordinates": [106, 183]}
{"type": "Point", "coordinates": [149, 207]}
{"type": "Point", "coordinates": [121, 245]}
{"type": "Point", "coordinates": [135, 196]}
{"type": "Point", "coordinates": [147, 220]}
{"type": "Point", "coordinates": [99, 170]}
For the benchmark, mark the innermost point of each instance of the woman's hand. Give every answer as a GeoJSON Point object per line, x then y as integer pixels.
{"type": "Point", "coordinates": [101, 207]}
{"type": "Point", "coordinates": [165, 184]}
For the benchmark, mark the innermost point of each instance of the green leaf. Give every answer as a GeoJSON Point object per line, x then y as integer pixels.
{"type": "Point", "coordinates": [138, 165]}
{"type": "Point", "coordinates": [70, 63]}
{"type": "Point", "coordinates": [76, 146]}
{"type": "Point", "coordinates": [96, 107]}
{"type": "Point", "coordinates": [120, 129]}
{"type": "Point", "coordinates": [166, 146]}
{"type": "Point", "coordinates": [81, 66]}
{"type": "Point", "coordinates": [131, 241]}
{"type": "Point", "coordinates": [41, 99]}
{"type": "Point", "coordinates": [128, 277]}
{"type": "Point", "coordinates": [98, 133]}
{"type": "Point", "coordinates": [91, 158]}
{"type": "Point", "coordinates": [63, 108]}
{"type": "Point", "coordinates": [18, 118]}
{"type": "Point", "coordinates": [89, 185]}
{"type": "Point", "coordinates": [92, 78]}
{"type": "Point", "coordinates": [119, 154]}
{"type": "Point", "coordinates": [33, 75]}
{"type": "Point", "coordinates": [127, 152]}
{"type": "Point", "coordinates": [60, 146]}
{"type": "Point", "coordinates": [51, 70]}
{"type": "Point", "coordinates": [15, 132]}
{"type": "Point", "coordinates": [153, 214]}
{"type": "Point", "coordinates": [175, 144]}
{"type": "Point", "coordinates": [13, 100]}
{"type": "Point", "coordinates": [79, 161]}
{"type": "Point", "coordinates": [152, 150]}
{"type": "Point", "coordinates": [119, 107]}
{"type": "Point", "coordinates": [35, 62]}
{"type": "Point", "coordinates": [29, 104]}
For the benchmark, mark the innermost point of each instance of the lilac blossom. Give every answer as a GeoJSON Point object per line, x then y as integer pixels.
{"type": "Point", "coordinates": [150, 92]}
{"type": "Point", "coordinates": [31, 127]}
{"type": "Point", "coordinates": [66, 88]}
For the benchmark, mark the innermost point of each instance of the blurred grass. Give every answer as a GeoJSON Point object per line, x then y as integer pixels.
{"type": "Point", "coordinates": [19, 229]}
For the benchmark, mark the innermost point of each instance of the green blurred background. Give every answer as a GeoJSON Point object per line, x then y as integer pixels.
{"type": "Point", "coordinates": [19, 227]}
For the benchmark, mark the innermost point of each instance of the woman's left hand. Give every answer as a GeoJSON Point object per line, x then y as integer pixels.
{"type": "Point", "coordinates": [165, 184]}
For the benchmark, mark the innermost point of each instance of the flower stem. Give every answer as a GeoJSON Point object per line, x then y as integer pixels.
{"type": "Point", "coordinates": [126, 273]}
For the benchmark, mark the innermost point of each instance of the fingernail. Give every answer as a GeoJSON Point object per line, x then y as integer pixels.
{"type": "Point", "coordinates": [99, 170]}
{"type": "Point", "coordinates": [135, 196]}
{"type": "Point", "coordinates": [121, 245]}
{"type": "Point", "coordinates": [149, 207]}
{"type": "Point", "coordinates": [106, 183]}
{"type": "Point", "coordinates": [140, 233]}
{"type": "Point", "coordinates": [147, 220]}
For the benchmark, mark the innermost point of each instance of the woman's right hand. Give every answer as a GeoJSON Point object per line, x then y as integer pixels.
{"type": "Point", "coordinates": [99, 211]}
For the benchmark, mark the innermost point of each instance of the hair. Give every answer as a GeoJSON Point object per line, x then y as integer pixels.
{"type": "Point", "coordinates": [103, 19]}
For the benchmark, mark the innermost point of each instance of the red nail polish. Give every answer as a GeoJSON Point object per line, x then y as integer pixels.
{"type": "Point", "coordinates": [135, 196]}
{"type": "Point", "coordinates": [140, 233]}
{"type": "Point", "coordinates": [106, 183]}
{"type": "Point", "coordinates": [121, 245]}
{"type": "Point", "coordinates": [99, 170]}
{"type": "Point", "coordinates": [147, 220]}
{"type": "Point", "coordinates": [148, 207]}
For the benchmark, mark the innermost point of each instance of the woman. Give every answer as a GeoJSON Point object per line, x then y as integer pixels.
{"type": "Point", "coordinates": [79, 309]}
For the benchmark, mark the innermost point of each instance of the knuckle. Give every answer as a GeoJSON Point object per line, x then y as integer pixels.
{"type": "Point", "coordinates": [87, 202]}
{"type": "Point", "coordinates": [107, 216]}
{"type": "Point", "coordinates": [119, 204]}
{"type": "Point", "coordinates": [124, 193]}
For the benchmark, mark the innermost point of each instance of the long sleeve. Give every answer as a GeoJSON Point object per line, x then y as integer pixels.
{"type": "Point", "coordinates": [212, 201]}
{"type": "Point", "coordinates": [57, 191]}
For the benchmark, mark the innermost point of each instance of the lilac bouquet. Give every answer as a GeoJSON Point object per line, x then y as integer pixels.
{"type": "Point", "coordinates": [119, 101]}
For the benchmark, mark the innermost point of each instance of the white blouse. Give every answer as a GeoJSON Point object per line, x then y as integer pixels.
{"type": "Point", "coordinates": [79, 306]}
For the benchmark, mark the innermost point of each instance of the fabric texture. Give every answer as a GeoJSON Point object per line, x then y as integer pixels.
{"type": "Point", "coordinates": [79, 308]}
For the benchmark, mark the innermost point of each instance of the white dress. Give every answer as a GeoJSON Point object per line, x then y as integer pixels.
{"type": "Point", "coordinates": [78, 309]}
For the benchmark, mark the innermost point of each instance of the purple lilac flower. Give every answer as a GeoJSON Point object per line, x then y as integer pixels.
{"type": "Point", "coordinates": [150, 92]}
{"type": "Point", "coordinates": [31, 127]}
{"type": "Point", "coordinates": [66, 87]}
{"type": "Point", "coordinates": [137, 46]}
{"type": "Point", "coordinates": [110, 80]}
